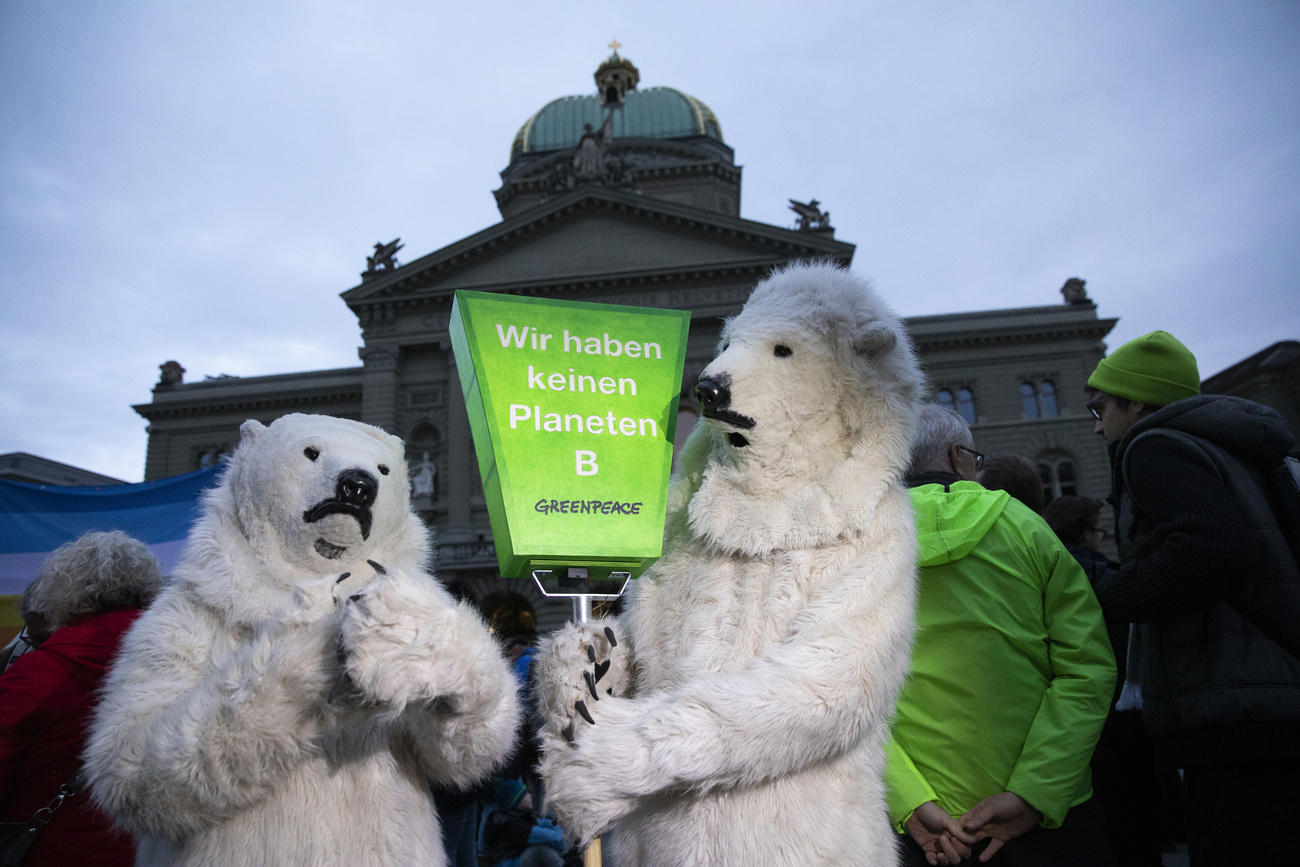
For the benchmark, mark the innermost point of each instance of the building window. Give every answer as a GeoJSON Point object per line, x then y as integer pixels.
{"type": "Point", "coordinates": [1059, 478]}
{"type": "Point", "coordinates": [964, 405]}
{"type": "Point", "coordinates": [210, 456]}
{"type": "Point", "coordinates": [1028, 401]}
{"type": "Point", "coordinates": [1047, 399]}
{"type": "Point", "coordinates": [1038, 399]}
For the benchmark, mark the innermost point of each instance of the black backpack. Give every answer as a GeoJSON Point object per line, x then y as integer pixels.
{"type": "Point", "coordinates": [1269, 499]}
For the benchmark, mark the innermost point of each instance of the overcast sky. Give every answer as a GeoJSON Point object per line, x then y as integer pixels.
{"type": "Point", "coordinates": [200, 181]}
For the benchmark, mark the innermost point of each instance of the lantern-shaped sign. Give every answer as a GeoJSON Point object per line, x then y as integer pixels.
{"type": "Point", "coordinates": [573, 408]}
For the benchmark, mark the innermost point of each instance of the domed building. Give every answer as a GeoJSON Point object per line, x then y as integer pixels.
{"type": "Point", "coordinates": [624, 195]}
{"type": "Point", "coordinates": [658, 141]}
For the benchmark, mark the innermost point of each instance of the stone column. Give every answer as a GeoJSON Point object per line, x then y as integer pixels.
{"type": "Point", "coordinates": [460, 464]}
{"type": "Point", "coordinates": [379, 385]}
{"type": "Point", "coordinates": [157, 461]}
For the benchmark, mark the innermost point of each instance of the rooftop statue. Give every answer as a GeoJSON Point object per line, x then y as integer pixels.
{"type": "Point", "coordinates": [385, 257]}
{"type": "Point", "coordinates": [811, 217]}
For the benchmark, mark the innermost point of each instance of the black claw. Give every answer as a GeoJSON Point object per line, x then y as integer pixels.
{"type": "Point", "coordinates": [380, 569]}
{"type": "Point", "coordinates": [581, 708]}
{"type": "Point", "coordinates": [601, 668]}
{"type": "Point", "coordinates": [345, 576]}
{"type": "Point", "coordinates": [591, 653]}
{"type": "Point", "coordinates": [567, 731]}
{"type": "Point", "coordinates": [591, 684]}
{"type": "Point", "coordinates": [354, 597]}
{"type": "Point", "coordinates": [609, 633]}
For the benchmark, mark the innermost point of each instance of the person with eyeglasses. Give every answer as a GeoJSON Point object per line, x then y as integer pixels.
{"type": "Point", "coordinates": [1010, 681]}
{"type": "Point", "coordinates": [1209, 582]}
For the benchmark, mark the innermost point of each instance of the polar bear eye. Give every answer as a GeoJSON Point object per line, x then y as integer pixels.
{"type": "Point", "coordinates": [782, 351]}
{"type": "Point", "coordinates": [383, 470]}
{"type": "Point", "coordinates": [311, 452]}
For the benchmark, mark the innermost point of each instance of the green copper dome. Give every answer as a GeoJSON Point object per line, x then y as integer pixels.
{"type": "Point", "coordinates": [656, 112]}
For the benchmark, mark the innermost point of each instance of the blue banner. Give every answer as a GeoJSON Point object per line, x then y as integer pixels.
{"type": "Point", "coordinates": [36, 519]}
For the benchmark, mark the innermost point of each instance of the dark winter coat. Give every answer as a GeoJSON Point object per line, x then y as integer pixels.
{"type": "Point", "coordinates": [1214, 687]}
{"type": "Point", "coordinates": [46, 699]}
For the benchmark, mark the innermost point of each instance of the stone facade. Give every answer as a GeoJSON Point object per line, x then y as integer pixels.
{"type": "Point", "coordinates": [667, 235]}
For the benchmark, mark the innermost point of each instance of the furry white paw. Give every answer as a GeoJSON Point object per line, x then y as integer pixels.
{"type": "Point", "coordinates": [389, 642]}
{"type": "Point", "coordinates": [582, 791]}
{"type": "Point", "coordinates": [577, 667]}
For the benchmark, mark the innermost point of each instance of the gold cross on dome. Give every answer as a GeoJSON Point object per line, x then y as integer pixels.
{"type": "Point", "coordinates": [615, 46]}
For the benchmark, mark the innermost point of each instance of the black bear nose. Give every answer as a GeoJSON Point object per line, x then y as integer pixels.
{"type": "Point", "coordinates": [357, 487]}
{"type": "Point", "coordinates": [713, 393]}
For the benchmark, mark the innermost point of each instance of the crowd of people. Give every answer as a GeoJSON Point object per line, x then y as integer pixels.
{"type": "Point", "coordinates": [1067, 708]}
{"type": "Point", "coordinates": [1063, 707]}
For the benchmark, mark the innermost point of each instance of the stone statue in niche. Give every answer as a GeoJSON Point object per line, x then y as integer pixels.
{"type": "Point", "coordinates": [424, 478]}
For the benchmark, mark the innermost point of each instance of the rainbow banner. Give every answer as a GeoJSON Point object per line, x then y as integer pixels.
{"type": "Point", "coordinates": [36, 519]}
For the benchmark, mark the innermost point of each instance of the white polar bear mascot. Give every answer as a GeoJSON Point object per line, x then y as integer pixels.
{"type": "Point", "coordinates": [296, 687]}
{"type": "Point", "coordinates": [737, 714]}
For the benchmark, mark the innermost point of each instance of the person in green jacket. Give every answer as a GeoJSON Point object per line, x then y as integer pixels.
{"type": "Point", "coordinates": [1010, 682]}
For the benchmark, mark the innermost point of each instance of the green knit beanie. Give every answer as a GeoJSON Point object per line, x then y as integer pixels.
{"type": "Point", "coordinates": [1154, 368]}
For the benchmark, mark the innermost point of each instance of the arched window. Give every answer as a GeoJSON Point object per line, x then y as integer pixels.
{"type": "Point", "coordinates": [1038, 399]}
{"type": "Point", "coordinates": [966, 404]}
{"type": "Point", "coordinates": [1065, 479]}
{"type": "Point", "coordinates": [1028, 400]}
{"type": "Point", "coordinates": [1057, 473]}
{"type": "Point", "coordinates": [963, 404]}
{"type": "Point", "coordinates": [1047, 399]}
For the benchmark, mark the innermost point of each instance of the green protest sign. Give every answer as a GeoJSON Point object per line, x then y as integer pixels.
{"type": "Point", "coordinates": [572, 407]}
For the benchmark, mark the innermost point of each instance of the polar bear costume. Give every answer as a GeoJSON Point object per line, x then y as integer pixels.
{"type": "Point", "coordinates": [296, 687]}
{"type": "Point", "coordinates": [737, 713]}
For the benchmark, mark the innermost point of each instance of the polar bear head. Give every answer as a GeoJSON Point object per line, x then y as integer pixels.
{"type": "Point", "coordinates": [808, 412]}
{"type": "Point", "coordinates": [321, 494]}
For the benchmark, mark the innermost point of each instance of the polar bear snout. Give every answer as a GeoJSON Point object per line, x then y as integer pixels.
{"type": "Point", "coordinates": [357, 487]}
{"type": "Point", "coordinates": [714, 393]}
{"type": "Point", "coordinates": [354, 493]}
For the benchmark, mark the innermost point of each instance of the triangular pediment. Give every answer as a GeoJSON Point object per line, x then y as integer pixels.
{"type": "Point", "coordinates": [593, 236]}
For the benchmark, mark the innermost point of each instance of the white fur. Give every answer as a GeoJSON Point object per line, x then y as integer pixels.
{"type": "Point", "coordinates": [768, 645]}
{"type": "Point", "coordinates": [215, 741]}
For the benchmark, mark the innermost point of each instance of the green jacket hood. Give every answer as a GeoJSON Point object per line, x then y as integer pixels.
{"type": "Point", "coordinates": [951, 523]}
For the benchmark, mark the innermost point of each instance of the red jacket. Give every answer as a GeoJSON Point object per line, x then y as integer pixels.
{"type": "Point", "coordinates": [46, 700]}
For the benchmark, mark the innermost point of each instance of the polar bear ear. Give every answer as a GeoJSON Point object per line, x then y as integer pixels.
{"type": "Point", "coordinates": [250, 430]}
{"type": "Point", "coordinates": [875, 340]}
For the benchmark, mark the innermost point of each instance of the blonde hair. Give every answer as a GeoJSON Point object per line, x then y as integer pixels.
{"type": "Point", "coordinates": [97, 572]}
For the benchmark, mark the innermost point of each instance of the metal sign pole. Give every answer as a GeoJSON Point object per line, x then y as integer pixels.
{"type": "Point", "coordinates": [576, 579]}
{"type": "Point", "coordinates": [591, 856]}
